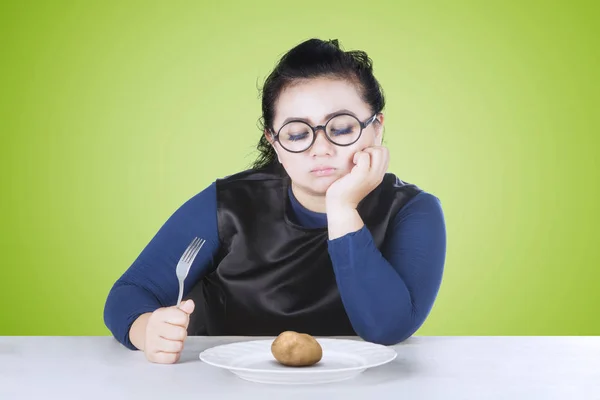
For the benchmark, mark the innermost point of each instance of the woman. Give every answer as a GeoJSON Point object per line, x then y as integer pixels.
{"type": "Point", "coordinates": [316, 237]}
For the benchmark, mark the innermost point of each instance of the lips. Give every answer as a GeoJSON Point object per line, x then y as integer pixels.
{"type": "Point", "coordinates": [323, 170]}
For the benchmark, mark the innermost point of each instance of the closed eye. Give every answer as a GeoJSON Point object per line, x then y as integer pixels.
{"type": "Point", "coordinates": [300, 136]}
{"type": "Point", "coordinates": [338, 132]}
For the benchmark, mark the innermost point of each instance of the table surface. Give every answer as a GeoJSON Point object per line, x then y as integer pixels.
{"type": "Point", "coordinates": [465, 367]}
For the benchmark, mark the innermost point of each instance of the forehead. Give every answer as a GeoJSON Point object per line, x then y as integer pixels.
{"type": "Point", "coordinates": [315, 98]}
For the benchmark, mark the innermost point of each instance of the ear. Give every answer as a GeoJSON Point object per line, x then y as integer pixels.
{"type": "Point", "coordinates": [269, 136]}
{"type": "Point", "coordinates": [271, 140]}
{"type": "Point", "coordinates": [379, 129]}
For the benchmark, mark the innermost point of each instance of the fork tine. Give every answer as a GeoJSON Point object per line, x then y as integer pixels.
{"type": "Point", "coordinates": [192, 251]}
{"type": "Point", "coordinates": [202, 241]}
{"type": "Point", "coordinates": [195, 250]}
{"type": "Point", "coordinates": [189, 249]}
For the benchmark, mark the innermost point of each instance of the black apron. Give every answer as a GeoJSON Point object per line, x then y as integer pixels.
{"type": "Point", "coordinates": [272, 275]}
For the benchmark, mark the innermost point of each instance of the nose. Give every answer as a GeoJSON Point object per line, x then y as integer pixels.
{"type": "Point", "coordinates": [322, 146]}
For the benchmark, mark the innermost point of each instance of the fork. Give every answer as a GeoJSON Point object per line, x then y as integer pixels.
{"type": "Point", "coordinates": [185, 262]}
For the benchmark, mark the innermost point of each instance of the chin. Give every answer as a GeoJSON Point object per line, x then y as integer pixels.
{"type": "Point", "coordinates": [320, 185]}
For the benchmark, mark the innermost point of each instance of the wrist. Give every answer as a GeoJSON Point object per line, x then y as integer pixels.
{"type": "Point", "coordinates": [340, 212]}
{"type": "Point", "coordinates": [343, 220]}
{"type": "Point", "coordinates": [137, 331]}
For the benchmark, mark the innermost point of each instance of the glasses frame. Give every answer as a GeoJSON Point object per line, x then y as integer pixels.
{"type": "Point", "coordinates": [315, 129]}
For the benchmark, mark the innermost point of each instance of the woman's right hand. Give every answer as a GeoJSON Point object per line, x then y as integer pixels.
{"type": "Point", "coordinates": [166, 332]}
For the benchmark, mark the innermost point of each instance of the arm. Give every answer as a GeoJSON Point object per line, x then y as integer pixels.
{"type": "Point", "coordinates": [150, 282]}
{"type": "Point", "coordinates": [388, 294]}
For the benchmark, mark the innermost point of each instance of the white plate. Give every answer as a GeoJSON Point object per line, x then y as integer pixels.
{"type": "Point", "coordinates": [342, 359]}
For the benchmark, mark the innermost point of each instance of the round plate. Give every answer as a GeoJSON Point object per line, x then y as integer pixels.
{"type": "Point", "coordinates": [342, 359]}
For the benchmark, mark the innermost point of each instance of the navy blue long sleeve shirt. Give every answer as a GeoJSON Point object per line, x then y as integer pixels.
{"type": "Point", "coordinates": [387, 294]}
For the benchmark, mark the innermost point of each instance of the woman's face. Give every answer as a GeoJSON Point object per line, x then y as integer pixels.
{"type": "Point", "coordinates": [315, 101]}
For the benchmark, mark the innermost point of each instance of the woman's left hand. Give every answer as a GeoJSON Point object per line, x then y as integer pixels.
{"type": "Point", "coordinates": [370, 166]}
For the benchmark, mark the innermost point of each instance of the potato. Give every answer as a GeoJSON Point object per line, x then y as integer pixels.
{"type": "Point", "coordinates": [295, 349]}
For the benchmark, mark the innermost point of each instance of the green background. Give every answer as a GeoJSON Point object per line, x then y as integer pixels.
{"type": "Point", "coordinates": [114, 114]}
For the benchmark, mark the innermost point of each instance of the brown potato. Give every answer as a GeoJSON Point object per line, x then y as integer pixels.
{"type": "Point", "coordinates": [295, 349]}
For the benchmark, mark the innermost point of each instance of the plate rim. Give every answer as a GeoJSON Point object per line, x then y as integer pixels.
{"type": "Point", "coordinates": [392, 356]}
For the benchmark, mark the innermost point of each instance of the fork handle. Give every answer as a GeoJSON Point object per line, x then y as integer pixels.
{"type": "Point", "coordinates": [180, 292]}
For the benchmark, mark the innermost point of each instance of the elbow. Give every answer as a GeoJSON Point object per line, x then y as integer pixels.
{"type": "Point", "coordinates": [114, 318]}
{"type": "Point", "coordinates": [108, 312]}
{"type": "Point", "coordinates": [392, 333]}
{"type": "Point", "coordinates": [118, 324]}
{"type": "Point", "coordinates": [387, 337]}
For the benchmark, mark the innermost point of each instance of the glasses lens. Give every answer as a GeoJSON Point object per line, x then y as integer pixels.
{"type": "Point", "coordinates": [343, 129]}
{"type": "Point", "coordinates": [295, 136]}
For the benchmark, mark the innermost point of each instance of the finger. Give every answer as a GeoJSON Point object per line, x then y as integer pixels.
{"type": "Point", "coordinates": [169, 346]}
{"type": "Point", "coordinates": [372, 148]}
{"type": "Point", "coordinates": [375, 156]}
{"type": "Point", "coordinates": [187, 306]}
{"type": "Point", "coordinates": [375, 174]}
{"type": "Point", "coordinates": [379, 160]}
{"type": "Point", "coordinates": [171, 332]}
{"type": "Point", "coordinates": [163, 358]}
{"type": "Point", "coordinates": [175, 316]}
{"type": "Point", "coordinates": [386, 160]}
{"type": "Point", "coordinates": [376, 151]}
{"type": "Point", "coordinates": [363, 162]}
{"type": "Point", "coordinates": [357, 155]}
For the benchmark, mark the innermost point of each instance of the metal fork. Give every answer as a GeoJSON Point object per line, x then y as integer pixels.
{"type": "Point", "coordinates": [185, 262]}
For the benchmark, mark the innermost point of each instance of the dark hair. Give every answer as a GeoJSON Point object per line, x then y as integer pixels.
{"type": "Point", "coordinates": [312, 59]}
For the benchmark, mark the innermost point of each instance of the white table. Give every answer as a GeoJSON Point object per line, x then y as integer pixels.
{"type": "Point", "coordinates": [426, 368]}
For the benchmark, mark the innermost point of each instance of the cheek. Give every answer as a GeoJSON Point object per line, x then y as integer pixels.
{"type": "Point", "coordinates": [347, 158]}
{"type": "Point", "coordinates": [367, 140]}
{"type": "Point", "coordinates": [293, 164]}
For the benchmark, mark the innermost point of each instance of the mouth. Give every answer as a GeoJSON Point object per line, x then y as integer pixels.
{"type": "Point", "coordinates": [323, 171]}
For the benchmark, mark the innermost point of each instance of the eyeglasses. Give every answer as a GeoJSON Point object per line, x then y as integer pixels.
{"type": "Point", "coordinates": [342, 130]}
